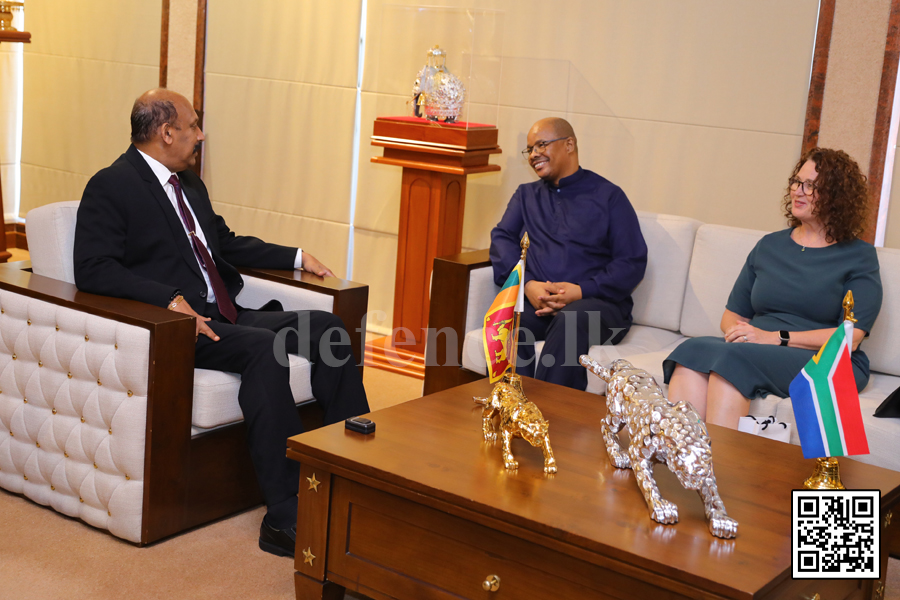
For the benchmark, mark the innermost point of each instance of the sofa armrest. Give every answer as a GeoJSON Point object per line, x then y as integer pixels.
{"type": "Point", "coordinates": [169, 388]}
{"type": "Point", "coordinates": [449, 300]}
{"type": "Point", "coordinates": [350, 300]}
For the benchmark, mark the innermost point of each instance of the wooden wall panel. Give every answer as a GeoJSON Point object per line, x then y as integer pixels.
{"type": "Point", "coordinates": [883, 116]}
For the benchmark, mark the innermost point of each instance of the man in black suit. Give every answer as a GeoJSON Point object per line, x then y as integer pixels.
{"type": "Point", "coordinates": [146, 231]}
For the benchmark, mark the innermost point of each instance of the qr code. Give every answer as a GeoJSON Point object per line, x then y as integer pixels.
{"type": "Point", "coordinates": [836, 534]}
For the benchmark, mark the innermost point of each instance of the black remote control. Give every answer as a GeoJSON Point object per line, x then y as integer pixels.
{"type": "Point", "coordinates": [360, 424]}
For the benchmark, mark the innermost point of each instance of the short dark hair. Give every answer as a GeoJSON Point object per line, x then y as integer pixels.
{"type": "Point", "coordinates": [843, 194]}
{"type": "Point", "coordinates": [148, 115]}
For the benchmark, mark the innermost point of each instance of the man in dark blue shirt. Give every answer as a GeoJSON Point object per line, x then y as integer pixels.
{"type": "Point", "coordinates": [587, 254]}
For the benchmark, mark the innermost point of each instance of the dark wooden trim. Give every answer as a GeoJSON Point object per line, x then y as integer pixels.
{"type": "Point", "coordinates": [200, 56]}
{"type": "Point", "coordinates": [167, 453]}
{"type": "Point", "coordinates": [882, 131]}
{"type": "Point", "coordinates": [23, 37]}
{"type": "Point", "coordinates": [15, 236]}
{"type": "Point", "coordinates": [15, 277]}
{"type": "Point", "coordinates": [448, 309]}
{"type": "Point", "coordinates": [164, 46]}
{"type": "Point", "coordinates": [4, 255]}
{"type": "Point", "coordinates": [21, 236]}
{"type": "Point", "coordinates": [817, 77]}
{"type": "Point", "coordinates": [197, 167]}
{"type": "Point", "coordinates": [199, 80]}
{"type": "Point", "coordinates": [351, 306]}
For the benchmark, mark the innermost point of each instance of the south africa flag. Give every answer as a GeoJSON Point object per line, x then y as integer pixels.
{"type": "Point", "coordinates": [498, 322]}
{"type": "Point", "coordinates": [826, 403]}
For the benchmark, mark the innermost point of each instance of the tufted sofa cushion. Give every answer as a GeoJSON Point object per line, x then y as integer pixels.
{"type": "Point", "coordinates": [73, 404]}
{"type": "Point", "coordinates": [258, 291]}
{"type": "Point", "coordinates": [719, 254]}
{"type": "Point", "coordinates": [659, 297]}
{"type": "Point", "coordinates": [482, 291]}
{"type": "Point", "coordinates": [883, 345]}
{"type": "Point", "coordinates": [51, 238]}
{"type": "Point", "coordinates": [216, 394]}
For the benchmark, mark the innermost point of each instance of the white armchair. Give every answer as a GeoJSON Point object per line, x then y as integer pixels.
{"type": "Point", "coordinates": [102, 415]}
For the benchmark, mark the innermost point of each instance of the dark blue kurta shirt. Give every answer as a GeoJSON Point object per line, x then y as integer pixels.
{"type": "Point", "coordinates": [583, 231]}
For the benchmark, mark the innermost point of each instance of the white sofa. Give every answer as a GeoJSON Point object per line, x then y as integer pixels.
{"type": "Point", "coordinates": [102, 415]}
{"type": "Point", "coordinates": [691, 269]}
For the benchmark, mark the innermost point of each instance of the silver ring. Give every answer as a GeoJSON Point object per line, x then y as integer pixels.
{"type": "Point", "coordinates": [745, 338]}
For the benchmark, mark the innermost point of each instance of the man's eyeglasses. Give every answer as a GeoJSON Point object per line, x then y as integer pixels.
{"type": "Point", "coordinates": [540, 146]}
{"type": "Point", "coordinates": [808, 186]}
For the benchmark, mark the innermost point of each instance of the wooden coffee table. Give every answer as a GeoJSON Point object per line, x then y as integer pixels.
{"type": "Point", "coordinates": [423, 508]}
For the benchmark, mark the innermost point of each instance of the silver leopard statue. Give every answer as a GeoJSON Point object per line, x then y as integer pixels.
{"type": "Point", "coordinates": [661, 432]}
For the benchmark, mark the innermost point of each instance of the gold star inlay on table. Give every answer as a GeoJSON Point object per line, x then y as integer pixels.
{"type": "Point", "coordinates": [313, 483]}
{"type": "Point", "coordinates": [308, 556]}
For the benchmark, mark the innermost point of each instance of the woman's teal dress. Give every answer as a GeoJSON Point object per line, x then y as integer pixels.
{"type": "Point", "coordinates": [784, 286]}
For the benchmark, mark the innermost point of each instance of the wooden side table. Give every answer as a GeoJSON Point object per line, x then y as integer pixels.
{"type": "Point", "coordinates": [436, 159]}
{"type": "Point", "coordinates": [423, 508]}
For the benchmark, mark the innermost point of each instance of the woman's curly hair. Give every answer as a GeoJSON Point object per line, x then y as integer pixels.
{"type": "Point", "coordinates": [842, 195]}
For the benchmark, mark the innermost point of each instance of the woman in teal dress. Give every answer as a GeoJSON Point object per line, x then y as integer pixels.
{"type": "Point", "coordinates": [786, 301]}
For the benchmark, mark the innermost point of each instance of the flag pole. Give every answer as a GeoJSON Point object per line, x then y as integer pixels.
{"type": "Point", "coordinates": [514, 351]}
{"type": "Point", "coordinates": [827, 475]}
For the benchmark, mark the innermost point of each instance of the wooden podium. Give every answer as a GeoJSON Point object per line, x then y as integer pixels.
{"type": "Point", "coordinates": [436, 159]}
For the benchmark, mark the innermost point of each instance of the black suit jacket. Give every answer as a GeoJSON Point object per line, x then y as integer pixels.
{"type": "Point", "coordinates": [129, 241]}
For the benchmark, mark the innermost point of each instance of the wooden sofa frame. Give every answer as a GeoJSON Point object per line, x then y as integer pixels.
{"type": "Point", "coordinates": [189, 480]}
{"type": "Point", "coordinates": [448, 309]}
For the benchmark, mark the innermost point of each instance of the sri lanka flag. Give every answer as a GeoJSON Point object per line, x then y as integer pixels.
{"type": "Point", "coordinates": [498, 323]}
{"type": "Point", "coordinates": [826, 403]}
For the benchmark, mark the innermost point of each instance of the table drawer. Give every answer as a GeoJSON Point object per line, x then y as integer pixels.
{"type": "Point", "coordinates": [385, 543]}
{"type": "Point", "coordinates": [821, 589]}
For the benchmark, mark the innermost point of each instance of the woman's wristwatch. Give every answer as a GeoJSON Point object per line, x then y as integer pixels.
{"type": "Point", "coordinates": [785, 337]}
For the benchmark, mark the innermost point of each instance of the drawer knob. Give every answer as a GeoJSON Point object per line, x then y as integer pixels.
{"type": "Point", "coordinates": [491, 584]}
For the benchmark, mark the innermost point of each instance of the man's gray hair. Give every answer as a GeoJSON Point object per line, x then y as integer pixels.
{"type": "Point", "coordinates": [148, 115]}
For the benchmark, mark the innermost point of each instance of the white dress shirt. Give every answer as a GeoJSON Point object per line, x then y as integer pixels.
{"type": "Point", "coordinates": [163, 174]}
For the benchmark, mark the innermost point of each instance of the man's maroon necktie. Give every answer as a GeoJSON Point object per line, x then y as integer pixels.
{"type": "Point", "coordinates": [223, 300]}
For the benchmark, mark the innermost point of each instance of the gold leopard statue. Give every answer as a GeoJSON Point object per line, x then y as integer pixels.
{"type": "Point", "coordinates": [519, 417]}
{"type": "Point", "coordinates": [660, 432]}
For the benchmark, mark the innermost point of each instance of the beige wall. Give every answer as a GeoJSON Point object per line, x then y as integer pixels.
{"type": "Point", "coordinates": [87, 63]}
{"type": "Point", "coordinates": [182, 48]}
{"type": "Point", "coordinates": [279, 114]}
{"type": "Point", "coordinates": [694, 108]}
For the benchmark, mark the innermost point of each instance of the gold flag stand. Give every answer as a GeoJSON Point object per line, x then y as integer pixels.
{"type": "Point", "coordinates": [514, 347]}
{"type": "Point", "coordinates": [519, 417]}
{"type": "Point", "coordinates": [827, 475]}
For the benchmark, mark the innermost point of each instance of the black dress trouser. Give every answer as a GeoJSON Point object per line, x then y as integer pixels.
{"type": "Point", "coordinates": [567, 335]}
{"type": "Point", "coordinates": [249, 348]}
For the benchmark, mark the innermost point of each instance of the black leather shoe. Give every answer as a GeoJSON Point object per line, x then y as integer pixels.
{"type": "Point", "coordinates": [279, 542]}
